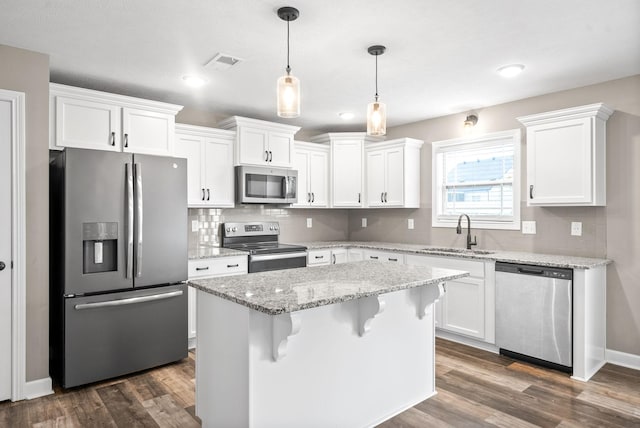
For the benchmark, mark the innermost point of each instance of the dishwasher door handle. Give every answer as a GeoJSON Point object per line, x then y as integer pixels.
{"type": "Point", "coordinates": [531, 271]}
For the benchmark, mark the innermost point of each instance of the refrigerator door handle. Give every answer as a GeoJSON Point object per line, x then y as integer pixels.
{"type": "Point", "coordinates": [129, 301]}
{"type": "Point", "coordinates": [129, 252]}
{"type": "Point", "coordinates": [139, 216]}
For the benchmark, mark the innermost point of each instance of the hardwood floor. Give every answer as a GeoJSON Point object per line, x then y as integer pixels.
{"type": "Point", "coordinates": [475, 389]}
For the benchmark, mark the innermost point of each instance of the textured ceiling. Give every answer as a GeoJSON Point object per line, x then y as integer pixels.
{"type": "Point", "coordinates": [441, 56]}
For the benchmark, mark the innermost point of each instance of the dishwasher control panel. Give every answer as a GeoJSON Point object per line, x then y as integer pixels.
{"type": "Point", "coordinates": [543, 271]}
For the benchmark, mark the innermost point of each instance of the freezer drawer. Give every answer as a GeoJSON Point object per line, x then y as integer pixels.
{"type": "Point", "coordinates": [111, 335]}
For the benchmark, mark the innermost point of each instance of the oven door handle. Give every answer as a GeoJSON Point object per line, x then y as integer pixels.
{"type": "Point", "coordinates": [265, 257]}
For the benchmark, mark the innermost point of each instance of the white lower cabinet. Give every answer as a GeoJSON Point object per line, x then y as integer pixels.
{"type": "Point", "coordinates": [327, 257]}
{"type": "Point", "coordinates": [383, 256]}
{"type": "Point", "coordinates": [467, 307]}
{"type": "Point", "coordinates": [205, 268]}
{"type": "Point", "coordinates": [355, 254]}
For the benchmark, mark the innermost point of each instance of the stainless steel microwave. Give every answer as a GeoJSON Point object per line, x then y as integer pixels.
{"type": "Point", "coordinates": [266, 185]}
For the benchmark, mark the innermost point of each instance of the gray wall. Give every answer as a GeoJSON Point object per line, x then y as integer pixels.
{"type": "Point", "coordinates": [28, 72]}
{"type": "Point", "coordinates": [610, 231]}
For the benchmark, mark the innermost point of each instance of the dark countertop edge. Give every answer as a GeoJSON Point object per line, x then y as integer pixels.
{"type": "Point", "coordinates": [324, 302]}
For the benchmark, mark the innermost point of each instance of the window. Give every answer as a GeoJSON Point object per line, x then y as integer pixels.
{"type": "Point", "coordinates": [478, 176]}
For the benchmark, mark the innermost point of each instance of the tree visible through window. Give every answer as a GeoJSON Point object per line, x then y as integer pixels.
{"type": "Point", "coordinates": [478, 176]}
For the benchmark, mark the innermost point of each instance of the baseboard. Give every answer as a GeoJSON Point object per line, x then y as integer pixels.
{"type": "Point", "coordinates": [623, 359]}
{"type": "Point", "coordinates": [467, 341]}
{"type": "Point", "coordinates": [191, 343]}
{"type": "Point", "coordinates": [38, 388]}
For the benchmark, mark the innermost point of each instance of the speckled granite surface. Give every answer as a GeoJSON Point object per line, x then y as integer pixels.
{"type": "Point", "coordinates": [208, 252]}
{"type": "Point", "coordinates": [502, 256]}
{"type": "Point", "coordinates": [292, 290]}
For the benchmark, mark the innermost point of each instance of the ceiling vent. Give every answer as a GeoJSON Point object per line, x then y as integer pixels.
{"type": "Point", "coordinates": [222, 62]}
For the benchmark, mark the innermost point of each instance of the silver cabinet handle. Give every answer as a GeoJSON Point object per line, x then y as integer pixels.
{"type": "Point", "coordinates": [203, 268]}
{"type": "Point", "coordinates": [208, 194]}
{"type": "Point", "coordinates": [126, 140]}
{"type": "Point", "coordinates": [531, 191]}
{"type": "Point", "coordinates": [113, 138]}
{"type": "Point", "coordinates": [129, 301]}
{"type": "Point", "coordinates": [266, 257]}
{"type": "Point", "coordinates": [129, 254]}
{"type": "Point", "coordinates": [139, 217]}
{"type": "Point", "coordinates": [232, 266]}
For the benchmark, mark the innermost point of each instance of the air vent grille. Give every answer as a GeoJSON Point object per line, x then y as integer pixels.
{"type": "Point", "coordinates": [222, 62]}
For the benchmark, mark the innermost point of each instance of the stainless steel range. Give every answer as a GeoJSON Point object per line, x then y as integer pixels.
{"type": "Point", "coordinates": [260, 239]}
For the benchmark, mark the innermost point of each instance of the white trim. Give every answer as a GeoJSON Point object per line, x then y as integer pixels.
{"type": "Point", "coordinates": [623, 359]}
{"type": "Point", "coordinates": [474, 343]}
{"type": "Point", "coordinates": [38, 388]}
{"type": "Point", "coordinates": [18, 252]}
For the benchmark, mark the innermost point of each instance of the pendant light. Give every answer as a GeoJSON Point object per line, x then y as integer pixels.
{"type": "Point", "coordinates": [288, 86]}
{"type": "Point", "coordinates": [376, 111]}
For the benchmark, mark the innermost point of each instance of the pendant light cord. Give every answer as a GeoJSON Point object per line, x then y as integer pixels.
{"type": "Point", "coordinates": [376, 77]}
{"type": "Point", "coordinates": [288, 67]}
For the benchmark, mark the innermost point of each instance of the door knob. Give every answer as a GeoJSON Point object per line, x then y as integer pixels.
{"type": "Point", "coordinates": [2, 266]}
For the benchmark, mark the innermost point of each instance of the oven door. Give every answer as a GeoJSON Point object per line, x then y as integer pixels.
{"type": "Point", "coordinates": [277, 261]}
{"type": "Point", "coordinates": [259, 185]}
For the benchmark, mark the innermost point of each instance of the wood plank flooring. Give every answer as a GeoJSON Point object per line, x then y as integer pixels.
{"type": "Point", "coordinates": [475, 389]}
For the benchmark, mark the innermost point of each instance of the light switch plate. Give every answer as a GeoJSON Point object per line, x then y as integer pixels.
{"type": "Point", "coordinates": [576, 228]}
{"type": "Point", "coordinates": [410, 224]}
{"type": "Point", "coordinates": [528, 227]}
{"type": "Point", "coordinates": [364, 222]}
{"type": "Point", "coordinates": [194, 225]}
{"type": "Point", "coordinates": [309, 222]}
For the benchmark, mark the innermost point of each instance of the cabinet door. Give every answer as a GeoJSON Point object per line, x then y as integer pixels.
{"type": "Point", "coordinates": [339, 255]}
{"type": "Point", "coordinates": [319, 178]}
{"type": "Point", "coordinates": [280, 149]}
{"type": "Point", "coordinates": [559, 163]}
{"type": "Point", "coordinates": [375, 178]}
{"type": "Point", "coordinates": [147, 132]}
{"type": "Point", "coordinates": [190, 147]}
{"type": "Point", "coordinates": [318, 257]}
{"type": "Point", "coordinates": [301, 164]}
{"type": "Point", "coordinates": [217, 168]}
{"type": "Point", "coordinates": [355, 254]}
{"type": "Point", "coordinates": [252, 146]}
{"type": "Point", "coordinates": [347, 174]}
{"type": "Point", "coordinates": [87, 124]}
{"type": "Point", "coordinates": [394, 177]}
{"type": "Point", "coordinates": [463, 307]}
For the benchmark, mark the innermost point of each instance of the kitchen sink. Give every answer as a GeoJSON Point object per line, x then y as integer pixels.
{"type": "Point", "coordinates": [456, 251]}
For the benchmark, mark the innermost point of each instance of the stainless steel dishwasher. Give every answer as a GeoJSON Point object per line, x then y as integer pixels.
{"type": "Point", "coordinates": [534, 314]}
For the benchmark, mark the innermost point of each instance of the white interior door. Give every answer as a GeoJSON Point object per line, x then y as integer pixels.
{"type": "Point", "coordinates": [5, 248]}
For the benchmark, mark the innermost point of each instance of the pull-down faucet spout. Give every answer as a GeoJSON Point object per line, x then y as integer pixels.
{"type": "Point", "coordinates": [459, 231]}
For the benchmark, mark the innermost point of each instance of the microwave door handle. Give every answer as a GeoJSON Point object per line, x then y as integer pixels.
{"type": "Point", "coordinates": [129, 252]}
{"type": "Point", "coordinates": [285, 186]}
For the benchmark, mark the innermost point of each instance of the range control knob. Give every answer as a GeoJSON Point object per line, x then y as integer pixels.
{"type": "Point", "coordinates": [234, 229]}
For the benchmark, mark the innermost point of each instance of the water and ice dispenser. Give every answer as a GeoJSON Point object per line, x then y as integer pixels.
{"type": "Point", "coordinates": [99, 247]}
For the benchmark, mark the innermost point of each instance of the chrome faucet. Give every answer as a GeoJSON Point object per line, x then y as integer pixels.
{"type": "Point", "coordinates": [459, 231]}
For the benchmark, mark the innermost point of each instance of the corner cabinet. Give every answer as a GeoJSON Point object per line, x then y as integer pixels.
{"type": "Point", "coordinates": [347, 167]}
{"type": "Point", "coordinates": [261, 143]}
{"type": "Point", "coordinates": [96, 120]}
{"type": "Point", "coordinates": [312, 163]}
{"type": "Point", "coordinates": [566, 156]}
{"type": "Point", "coordinates": [393, 173]}
{"type": "Point", "coordinates": [210, 174]}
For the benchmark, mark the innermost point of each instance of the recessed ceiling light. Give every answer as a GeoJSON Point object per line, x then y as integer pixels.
{"type": "Point", "coordinates": [346, 115]}
{"type": "Point", "coordinates": [193, 81]}
{"type": "Point", "coordinates": [510, 70]}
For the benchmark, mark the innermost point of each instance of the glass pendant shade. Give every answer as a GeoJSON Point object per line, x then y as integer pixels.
{"type": "Point", "coordinates": [376, 118]}
{"type": "Point", "coordinates": [288, 96]}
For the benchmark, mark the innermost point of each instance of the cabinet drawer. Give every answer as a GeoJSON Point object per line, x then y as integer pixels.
{"type": "Point", "coordinates": [384, 256]}
{"type": "Point", "coordinates": [475, 269]}
{"type": "Point", "coordinates": [218, 266]}
{"type": "Point", "coordinates": [318, 257]}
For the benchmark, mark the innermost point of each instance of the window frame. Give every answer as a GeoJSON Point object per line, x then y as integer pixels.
{"type": "Point", "coordinates": [484, 140]}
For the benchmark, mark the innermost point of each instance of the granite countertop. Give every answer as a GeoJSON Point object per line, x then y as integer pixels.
{"type": "Point", "coordinates": [209, 252]}
{"type": "Point", "coordinates": [561, 261]}
{"type": "Point", "coordinates": [291, 290]}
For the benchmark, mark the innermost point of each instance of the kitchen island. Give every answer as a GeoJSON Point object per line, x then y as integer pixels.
{"type": "Point", "coordinates": [347, 345]}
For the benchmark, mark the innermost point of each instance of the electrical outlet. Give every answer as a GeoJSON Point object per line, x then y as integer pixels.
{"type": "Point", "coordinates": [309, 222]}
{"type": "Point", "coordinates": [528, 227]}
{"type": "Point", "coordinates": [364, 222]}
{"type": "Point", "coordinates": [194, 225]}
{"type": "Point", "coordinates": [410, 224]}
{"type": "Point", "coordinates": [576, 228]}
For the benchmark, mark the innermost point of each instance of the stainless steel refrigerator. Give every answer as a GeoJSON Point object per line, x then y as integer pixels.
{"type": "Point", "coordinates": [118, 262]}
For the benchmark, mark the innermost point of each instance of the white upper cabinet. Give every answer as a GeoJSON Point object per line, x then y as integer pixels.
{"type": "Point", "coordinates": [210, 173]}
{"type": "Point", "coordinates": [566, 156]}
{"type": "Point", "coordinates": [260, 142]}
{"type": "Point", "coordinates": [393, 173]}
{"type": "Point", "coordinates": [90, 119]}
{"type": "Point", "coordinates": [346, 167]}
{"type": "Point", "coordinates": [312, 163]}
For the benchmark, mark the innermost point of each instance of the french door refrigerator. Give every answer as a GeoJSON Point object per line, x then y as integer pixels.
{"type": "Point", "coordinates": [118, 262]}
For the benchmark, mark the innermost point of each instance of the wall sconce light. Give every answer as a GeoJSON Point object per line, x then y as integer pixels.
{"type": "Point", "coordinates": [470, 121]}
{"type": "Point", "coordinates": [288, 85]}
